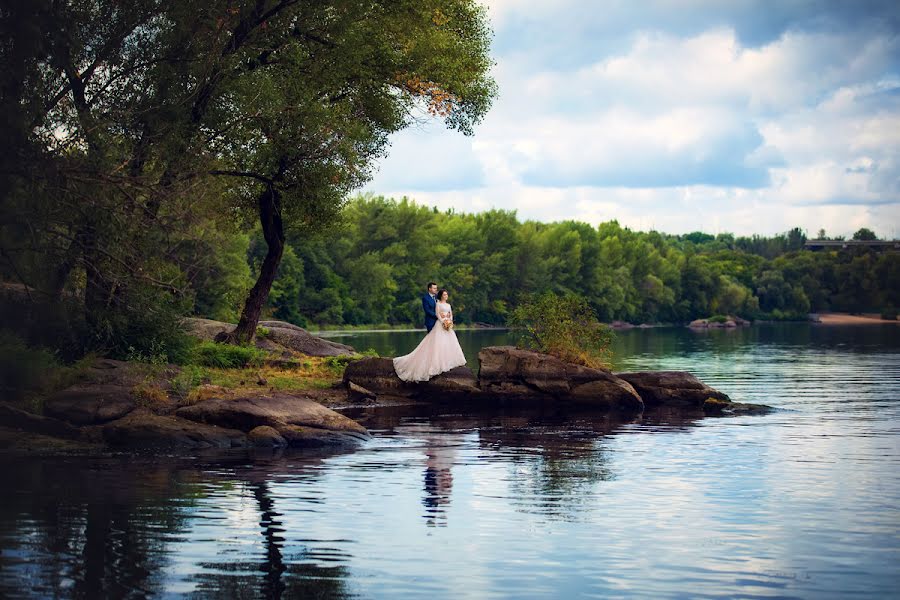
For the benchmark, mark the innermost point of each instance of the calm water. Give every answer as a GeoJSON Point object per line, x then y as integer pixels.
{"type": "Point", "coordinates": [802, 503]}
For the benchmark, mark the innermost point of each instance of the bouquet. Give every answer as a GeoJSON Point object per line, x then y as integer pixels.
{"type": "Point", "coordinates": [448, 325]}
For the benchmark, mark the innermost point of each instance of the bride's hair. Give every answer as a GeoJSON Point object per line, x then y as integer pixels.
{"type": "Point", "coordinates": [441, 293]}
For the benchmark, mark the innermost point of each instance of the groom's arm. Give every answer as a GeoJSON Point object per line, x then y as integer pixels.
{"type": "Point", "coordinates": [428, 306]}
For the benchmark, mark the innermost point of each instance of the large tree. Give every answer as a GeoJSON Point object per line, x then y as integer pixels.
{"type": "Point", "coordinates": [128, 120]}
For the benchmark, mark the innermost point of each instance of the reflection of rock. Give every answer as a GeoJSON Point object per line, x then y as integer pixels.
{"type": "Point", "coordinates": [294, 417]}
{"type": "Point", "coordinates": [671, 388]}
{"type": "Point", "coordinates": [143, 429]}
{"type": "Point", "coordinates": [514, 376]}
{"type": "Point", "coordinates": [90, 404]}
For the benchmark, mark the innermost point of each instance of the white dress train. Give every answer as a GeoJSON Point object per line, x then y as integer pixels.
{"type": "Point", "coordinates": [439, 351]}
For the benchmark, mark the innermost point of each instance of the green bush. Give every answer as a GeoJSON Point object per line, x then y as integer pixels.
{"type": "Point", "coordinates": [565, 327]}
{"type": "Point", "coordinates": [23, 368]}
{"type": "Point", "coordinates": [889, 313]}
{"type": "Point", "coordinates": [227, 356]}
{"type": "Point", "coordinates": [718, 319]}
{"type": "Point", "coordinates": [187, 379]}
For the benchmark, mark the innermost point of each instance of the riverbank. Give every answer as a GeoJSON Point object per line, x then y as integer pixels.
{"type": "Point", "coordinates": [848, 319]}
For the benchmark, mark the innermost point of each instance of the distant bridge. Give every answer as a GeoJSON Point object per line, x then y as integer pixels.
{"type": "Point", "coordinates": [844, 244]}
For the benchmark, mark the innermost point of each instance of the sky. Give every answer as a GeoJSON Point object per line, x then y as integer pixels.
{"type": "Point", "coordinates": [729, 116]}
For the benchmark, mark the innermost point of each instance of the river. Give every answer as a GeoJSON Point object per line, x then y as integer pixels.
{"type": "Point", "coordinates": [801, 503]}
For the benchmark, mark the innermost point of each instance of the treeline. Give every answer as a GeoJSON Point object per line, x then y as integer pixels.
{"type": "Point", "coordinates": [374, 268]}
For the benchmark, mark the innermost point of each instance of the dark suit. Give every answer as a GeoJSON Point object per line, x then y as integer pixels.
{"type": "Point", "coordinates": [429, 305]}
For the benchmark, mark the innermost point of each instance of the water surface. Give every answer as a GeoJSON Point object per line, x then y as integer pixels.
{"type": "Point", "coordinates": [801, 503]}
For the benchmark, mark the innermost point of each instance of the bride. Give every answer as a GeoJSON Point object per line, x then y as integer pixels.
{"type": "Point", "coordinates": [438, 352]}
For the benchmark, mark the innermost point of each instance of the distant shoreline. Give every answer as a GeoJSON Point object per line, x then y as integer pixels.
{"type": "Point", "coordinates": [848, 319]}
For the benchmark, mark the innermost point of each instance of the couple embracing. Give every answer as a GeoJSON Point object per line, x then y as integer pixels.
{"type": "Point", "coordinates": [439, 351]}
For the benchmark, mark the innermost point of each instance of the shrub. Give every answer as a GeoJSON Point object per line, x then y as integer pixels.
{"type": "Point", "coordinates": [889, 313]}
{"type": "Point", "coordinates": [23, 368]}
{"type": "Point", "coordinates": [565, 327]}
{"type": "Point", "coordinates": [186, 380]}
{"type": "Point", "coordinates": [227, 356]}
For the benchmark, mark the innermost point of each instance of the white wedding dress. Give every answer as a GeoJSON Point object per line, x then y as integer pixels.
{"type": "Point", "coordinates": [438, 352]}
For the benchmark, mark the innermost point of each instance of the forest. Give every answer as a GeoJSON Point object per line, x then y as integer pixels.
{"type": "Point", "coordinates": [165, 159]}
{"type": "Point", "coordinates": [373, 268]}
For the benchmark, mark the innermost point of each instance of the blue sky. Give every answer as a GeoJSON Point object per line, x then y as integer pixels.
{"type": "Point", "coordinates": [730, 116]}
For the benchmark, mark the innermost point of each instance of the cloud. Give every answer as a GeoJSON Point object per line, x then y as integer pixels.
{"type": "Point", "coordinates": [667, 114]}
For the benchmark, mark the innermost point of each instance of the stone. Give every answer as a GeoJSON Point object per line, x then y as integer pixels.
{"type": "Point", "coordinates": [90, 404]}
{"type": "Point", "coordinates": [15, 418]}
{"type": "Point", "coordinates": [274, 409]}
{"type": "Point", "coordinates": [143, 429]}
{"type": "Point", "coordinates": [358, 393]}
{"type": "Point", "coordinates": [296, 338]}
{"type": "Point", "coordinates": [671, 388]}
{"type": "Point", "coordinates": [377, 375]}
{"type": "Point", "coordinates": [300, 436]}
{"type": "Point", "coordinates": [281, 335]}
{"type": "Point", "coordinates": [266, 437]}
{"type": "Point", "coordinates": [514, 373]}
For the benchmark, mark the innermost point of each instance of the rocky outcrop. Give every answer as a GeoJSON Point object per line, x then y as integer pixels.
{"type": "Point", "coordinates": [513, 373]}
{"type": "Point", "coordinates": [298, 339]}
{"type": "Point", "coordinates": [671, 388]}
{"type": "Point", "coordinates": [143, 429]}
{"type": "Point", "coordinates": [372, 377]}
{"type": "Point", "coordinates": [266, 437]}
{"type": "Point", "coordinates": [728, 323]}
{"type": "Point", "coordinates": [292, 417]}
{"type": "Point", "coordinates": [507, 375]}
{"type": "Point", "coordinates": [280, 335]}
{"type": "Point", "coordinates": [510, 375]}
{"type": "Point", "coordinates": [90, 404]}
{"type": "Point", "coordinates": [25, 421]}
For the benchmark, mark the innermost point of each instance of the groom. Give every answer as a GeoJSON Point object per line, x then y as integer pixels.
{"type": "Point", "coordinates": [429, 304]}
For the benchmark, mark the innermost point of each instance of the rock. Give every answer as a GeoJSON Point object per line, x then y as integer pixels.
{"type": "Point", "coordinates": [698, 323]}
{"type": "Point", "coordinates": [19, 419]}
{"type": "Point", "coordinates": [281, 335]}
{"type": "Point", "coordinates": [621, 325]}
{"type": "Point", "coordinates": [87, 404]}
{"type": "Point", "coordinates": [276, 410]}
{"type": "Point", "coordinates": [260, 380]}
{"type": "Point", "coordinates": [377, 375]}
{"type": "Point", "coordinates": [266, 437]}
{"type": "Point", "coordinates": [299, 436]}
{"type": "Point", "coordinates": [715, 407]}
{"type": "Point", "coordinates": [513, 373]}
{"type": "Point", "coordinates": [671, 388]}
{"type": "Point", "coordinates": [358, 393]}
{"type": "Point", "coordinates": [143, 429]}
{"type": "Point", "coordinates": [297, 338]}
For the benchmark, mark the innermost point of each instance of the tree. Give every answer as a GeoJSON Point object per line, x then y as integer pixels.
{"type": "Point", "coordinates": [865, 234]}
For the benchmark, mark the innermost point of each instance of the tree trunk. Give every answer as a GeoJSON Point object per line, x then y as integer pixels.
{"type": "Point", "coordinates": [273, 231]}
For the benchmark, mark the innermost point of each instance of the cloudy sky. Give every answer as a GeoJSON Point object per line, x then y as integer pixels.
{"type": "Point", "coordinates": [678, 115]}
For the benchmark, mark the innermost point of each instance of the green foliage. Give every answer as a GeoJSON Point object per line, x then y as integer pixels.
{"type": "Point", "coordinates": [189, 377]}
{"type": "Point", "coordinates": [227, 356]}
{"type": "Point", "coordinates": [565, 327]}
{"type": "Point", "coordinates": [23, 368]}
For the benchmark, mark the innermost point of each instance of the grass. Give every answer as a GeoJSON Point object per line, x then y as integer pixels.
{"type": "Point", "coordinates": [227, 356]}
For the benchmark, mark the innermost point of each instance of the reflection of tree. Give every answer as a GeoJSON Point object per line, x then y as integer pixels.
{"type": "Point", "coordinates": [97, 528]}
{"type": "Point", "coordinates": [92, 532]}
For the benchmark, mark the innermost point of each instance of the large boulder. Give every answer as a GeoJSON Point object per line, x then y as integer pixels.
{"type": "Point", "coordinates": [671, 388]}
{"type": "Point", "coordinates": [377, 377]}
{"type": "Point", "coordinates": [282, 412]}
{"type": "Point", "coordinates": [266, 437]}
{"type": "Point", "coordinates": [297, 338]}
{"type": "Point", "coordinates": [143, 429]}
{"type": "Point", "coordinates": [90, 404]}
{"type": "Point", "coordinates": [281, 334]}
{"type": "Point", "coordinates": [15, 418]}
{"type": "Point", "coordinates": [511, 373]}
